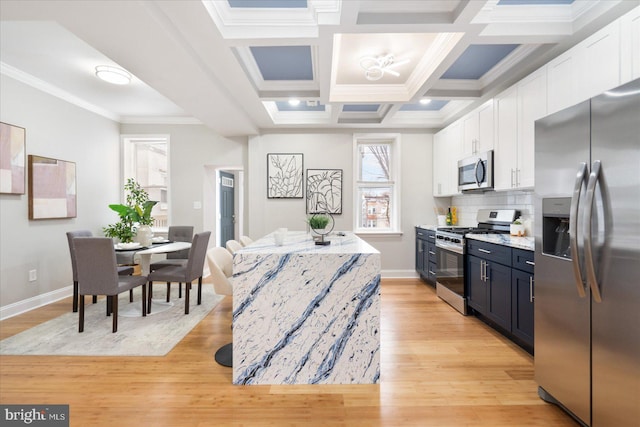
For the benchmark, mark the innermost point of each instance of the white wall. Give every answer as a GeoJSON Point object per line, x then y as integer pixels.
{"type": "Point", "coordinates": [335, 151]}
{"type": "Point", "coordinates": [57, 129]}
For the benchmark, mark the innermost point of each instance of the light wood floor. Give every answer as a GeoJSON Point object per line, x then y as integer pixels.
{"type": "Point", "coordinates": [439, 368]}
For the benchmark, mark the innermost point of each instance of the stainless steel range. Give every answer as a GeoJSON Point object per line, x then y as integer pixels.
{"type": "Point", "coordinates": [450, 251]}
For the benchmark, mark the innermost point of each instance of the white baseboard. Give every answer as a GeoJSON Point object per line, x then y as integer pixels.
{"type": "Point", "coordinates": [399, 274]}
{"type": "Point", "coordinates": [28, 304]}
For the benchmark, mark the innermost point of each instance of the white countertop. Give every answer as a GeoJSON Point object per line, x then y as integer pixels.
{"type": "Point", "coordinates": [302, 242]}
{"type": "Point", "coordinates": [526, 243]}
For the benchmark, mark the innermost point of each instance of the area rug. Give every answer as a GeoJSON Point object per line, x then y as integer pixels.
{"type": "Point", "coordinates": [154, 335]}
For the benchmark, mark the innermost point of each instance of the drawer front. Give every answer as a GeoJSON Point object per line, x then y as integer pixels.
{"type": "Point", "coordinates": [489, 251]}
{"type": "Point", "coordinates": [431, 273]}
{"type": "Point", "coordinates": [522, 260]}
{"type": "Point", "coordinates": [431, 252]}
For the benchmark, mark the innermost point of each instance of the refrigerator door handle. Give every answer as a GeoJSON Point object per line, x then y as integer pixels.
{"type": "Point", "coordinates": [588, 244]}
{"type": "Point", "coordinates": [581, 177]}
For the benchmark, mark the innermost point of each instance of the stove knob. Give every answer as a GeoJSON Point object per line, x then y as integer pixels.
{"type": "Point", "coordinates": [455, 240]}
{"type": "Point", "coordinates": [447, 239]}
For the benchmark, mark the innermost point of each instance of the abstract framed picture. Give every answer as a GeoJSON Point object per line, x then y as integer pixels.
{"type": "Point", "coordinates": [284, 175]}
{"type": "Point", "coordinates": [52, 188]}
{"type": "Point", "coordinates": [12, 159]}
{"type": "Point", "coordinates": [324, 191]}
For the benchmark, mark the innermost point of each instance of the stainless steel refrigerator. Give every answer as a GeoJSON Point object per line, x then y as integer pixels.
{"type": "Point", "coordinates": [587, 258]}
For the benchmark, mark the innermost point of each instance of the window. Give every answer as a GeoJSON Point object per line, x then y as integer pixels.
{"type": "Point", "coordinates": [377, 201]}
{"type": "Point", "coordinates": [146, 160]}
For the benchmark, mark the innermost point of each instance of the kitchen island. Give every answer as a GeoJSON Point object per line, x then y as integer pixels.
{"type": "Point", "coordinates": [306, 314]}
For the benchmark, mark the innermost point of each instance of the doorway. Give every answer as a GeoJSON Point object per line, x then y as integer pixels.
{"type": "Point", "coordinates": [226, 190]}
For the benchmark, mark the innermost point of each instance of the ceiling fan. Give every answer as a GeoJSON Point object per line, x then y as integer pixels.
{"type": "Point", "coordinates": [376, 67]}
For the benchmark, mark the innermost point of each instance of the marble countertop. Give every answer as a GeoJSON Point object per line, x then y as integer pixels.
{"type": "Point", "coordinates": [302, 242]}
{"type": "Point", "coordinates": [427, 227]}
{"type": "Point", "coordinates": [526, 243]}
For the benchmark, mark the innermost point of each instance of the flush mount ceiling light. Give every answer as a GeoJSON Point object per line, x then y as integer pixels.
{"type": "Point", "coordinates": [425, 101]}
{"type": "Point", "coordinates": [114, 75]}
{"type": "Point", "coordinates": [376, 67]}
{"type": "Point", "coordinates": [294, 102]}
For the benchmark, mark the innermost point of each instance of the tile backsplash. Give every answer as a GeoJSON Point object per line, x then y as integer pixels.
{"type": "Point", "coordinates": [468, 205]}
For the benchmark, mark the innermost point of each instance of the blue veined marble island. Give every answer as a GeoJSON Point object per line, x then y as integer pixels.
{"type": "Point", "coordinates": [306, 314]}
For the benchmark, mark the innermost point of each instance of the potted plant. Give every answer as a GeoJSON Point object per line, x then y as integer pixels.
{"type": "Point", "coordinates": [318, 221]}
{"type": "Point", "coordinates": [135, 216]}
{"type": "Point", "coordinates": [517, 228]}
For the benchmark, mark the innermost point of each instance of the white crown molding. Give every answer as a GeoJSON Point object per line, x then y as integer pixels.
{"type": "Point", "coordinates": [160, 120]}
{"type": "Point", "coordinates": [297, 117]}
{"type": "Point", "coordinates": [246, 23]}
{"type": "Point", "coordinates": [52, 90]}
{"type": "Point", "coordinates": [493, 13]}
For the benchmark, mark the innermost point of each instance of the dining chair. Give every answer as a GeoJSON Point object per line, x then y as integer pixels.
{"type": "Point", "coordinates": [98, 275]}
{"type": "Point", "coordinates": [233, 246]}
{"type": "Point", "coordinates": [176, 233]}
{"type": "Point", "coordinates": [220, 263]}
{"type": "Point", "coordinates": [245, 240]}
{"type": "Point", "coordinates": [122, 270]}
{"type": "Point", "coordinates": [186, 273]}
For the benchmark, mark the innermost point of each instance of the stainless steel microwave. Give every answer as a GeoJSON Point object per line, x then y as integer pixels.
{"type": "Point", "coordinates": [476, 173]}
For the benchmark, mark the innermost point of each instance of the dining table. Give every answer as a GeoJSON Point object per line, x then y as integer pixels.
{"type": "Point", "coordinates": [146, 252]}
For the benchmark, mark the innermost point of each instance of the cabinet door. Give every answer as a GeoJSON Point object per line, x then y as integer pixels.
{"type": "Point", "coordinates": [532, 105]}
{"type": "Point", "coordinates": [505, 155]}
{"type": "Point", "coordinates": [522, 306]}
{"type": "Point", "coordinates": [470, 135]}
{"type": "Point", "coordinates": [499, 294]}
{"type": "Point", "coordinates": [420, 246]}
{"type": "Point", "coordinates": [599, 62]}
{"type": "Point", "coordinates": [453, 151]}
{"type": "Point", "coordinates": [561, 82]}
{"type": "Point", "coordinates": [630, 46]}
{"type": "Point", "coordinates": [439, 162]}
{"type": "Point", "coordinates": [476, 287]}
{"type": "Point", "coordinates": [486, 127]}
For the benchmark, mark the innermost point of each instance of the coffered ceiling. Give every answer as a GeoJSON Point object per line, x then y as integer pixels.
{"type": "Point", "coordinates": [233, 65]}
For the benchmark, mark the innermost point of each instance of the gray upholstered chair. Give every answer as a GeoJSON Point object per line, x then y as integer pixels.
{"type": "Point", "coordinates": [233, 246]}
{"type": "Point", "coordinates": [177, 233]}
{"type": "Point", "coordinates": [122, 270]}
{"type": "Point", "coordinates": [246, 240]}
{"type": "Point", "coordinates": [184, 273]}
{"type": "Point", "coordinates": [98, 275]}
{"type": "Point", "coordinates": [220, 263]}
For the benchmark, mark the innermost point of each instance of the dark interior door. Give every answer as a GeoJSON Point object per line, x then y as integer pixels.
{"type": "Point", "coordinates": [227, 217]}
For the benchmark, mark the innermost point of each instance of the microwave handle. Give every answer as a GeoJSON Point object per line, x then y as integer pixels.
{"type": "Point", "coordinates": [475, 172]}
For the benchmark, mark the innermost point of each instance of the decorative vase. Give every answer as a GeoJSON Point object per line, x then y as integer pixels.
{"type": "Point", "coordinates": [144, 235]}
{"type": "Point", "coordinates": [517, 230]}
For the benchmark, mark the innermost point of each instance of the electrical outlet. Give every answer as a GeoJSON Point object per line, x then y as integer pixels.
{"type": "Point", "coordinates": [33, 275]}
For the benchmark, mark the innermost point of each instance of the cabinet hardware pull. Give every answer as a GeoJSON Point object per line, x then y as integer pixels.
{"type": "Point", "coordinates": [432, 272]}
{"type": "Point", "coordinates": [530, 262]}
{"type": "Point", "coordinates": [530, 288]}
{"type": "Point", "coordinates": [484, 251]}
{"type": "Point", "coordinates": [431, 253]}
{"type": "Point", "coordinates": [432, 237]}
{"type": "Point", "coordinates": [512, 177]}
{"type": "Point", "coordinates": [518, 177]}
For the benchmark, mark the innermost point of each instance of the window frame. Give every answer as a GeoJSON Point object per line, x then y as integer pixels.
{"type": "Point", "coordinates": [393, 140]}
{"type": "Point", "coordinates": [127, 165]}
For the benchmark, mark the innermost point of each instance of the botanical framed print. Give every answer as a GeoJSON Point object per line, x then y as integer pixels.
{"type": "Point", "coordinates": [12, 159]}
{"type": "Point", "coordinates": [324, 191]}
{"type": "Point", "coordinates": [52, 188]}
{"type": "Point", "coordinates": [284, 175]}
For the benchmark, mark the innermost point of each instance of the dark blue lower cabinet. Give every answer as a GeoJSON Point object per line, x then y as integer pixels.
{"type": "Point", "coordinates": [522, 306]}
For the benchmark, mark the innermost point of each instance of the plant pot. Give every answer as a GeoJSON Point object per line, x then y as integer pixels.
{"type": "Point", "coordinates": [144, 235]}
{"type": "Point", "coordinates": [517, 230]}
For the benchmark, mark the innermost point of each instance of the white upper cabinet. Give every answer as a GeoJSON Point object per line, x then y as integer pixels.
{"type": "Point", "coordinates": [505, 154]}
{"type": "Point", "coordinates": [478, 130]}
{"type": "Point", "coordinates": [446, 151]}
{"type": "Point", "coordinates": [532, 105]}
{"type": "Point", "coordinates": [598, 62]}
{"type": "Point", "coordinates": [517, 110]}
{"type": "Point", "coordinates": [630, 46]}
{"type": "Point", "coordinates": [561, 82]}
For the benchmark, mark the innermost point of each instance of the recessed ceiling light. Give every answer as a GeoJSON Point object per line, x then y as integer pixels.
{"type": "Point", "coordinates": [425, 101]}
{"type": "Point", "coordinates": [294, 102]}
{"type": "Point", "coordinates": [114, 75]}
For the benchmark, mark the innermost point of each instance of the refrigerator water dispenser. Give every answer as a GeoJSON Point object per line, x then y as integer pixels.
{"type": "Point", "coordinates": [555, 227]}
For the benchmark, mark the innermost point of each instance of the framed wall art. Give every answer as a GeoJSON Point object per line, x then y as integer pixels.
{"type": "Point", "coordinates": [284, 175]}
{"type": "Point", "coordinates": [52, 188]}
{"type": "Point", "coordinates": [324, 191]}
{"type": "Point", "coordinates": [12, 159]}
